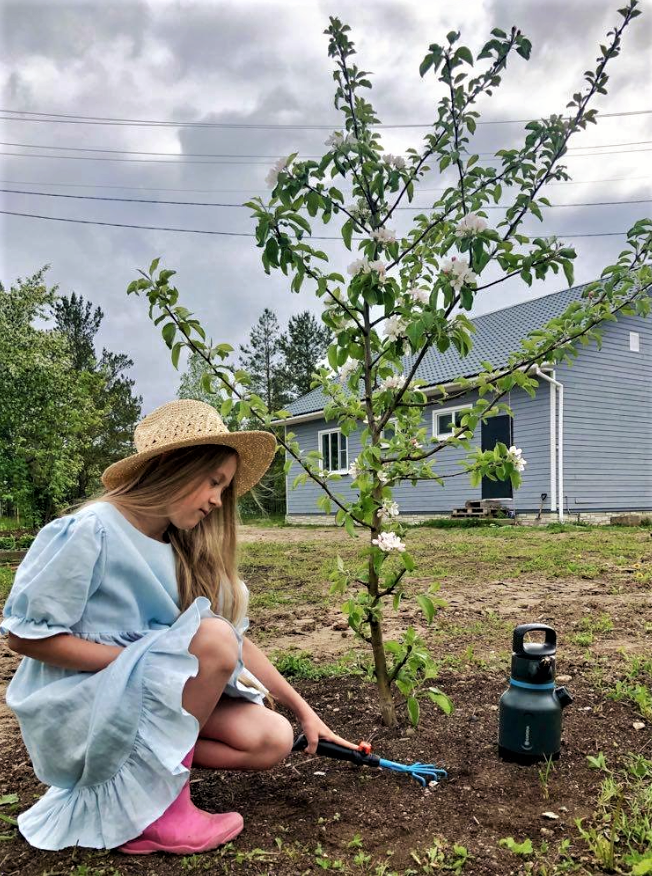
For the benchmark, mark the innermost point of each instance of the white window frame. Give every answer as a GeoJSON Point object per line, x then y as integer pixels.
{"type": "Point", "coordinates": [392, 422]}
{"type": "Point", "coordinates": [437, 412]}
{"type": "Point", "coordinates": [322, 432]}
{"type": "Point", "coordinates": [634, 342]}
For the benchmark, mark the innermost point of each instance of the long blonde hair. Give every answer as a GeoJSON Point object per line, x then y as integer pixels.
{"type": "Point", "coordinates": [206, 555]}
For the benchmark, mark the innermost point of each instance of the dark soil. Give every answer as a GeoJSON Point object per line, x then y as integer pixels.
{"type": "Point", "coordinates": [294, 817]}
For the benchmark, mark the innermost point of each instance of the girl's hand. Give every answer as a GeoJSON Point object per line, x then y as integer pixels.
{"type": "Point", "coordinates": [315, 729]}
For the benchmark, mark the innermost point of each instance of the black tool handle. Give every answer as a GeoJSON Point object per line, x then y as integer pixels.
{"type": "Point", "coordinates": [547, 648]}
{"type": "Point", "coordinates": [339, 752]}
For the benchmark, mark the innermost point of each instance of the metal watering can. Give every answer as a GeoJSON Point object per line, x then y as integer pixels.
{"type": "Point", "coordinates": [530, 709]}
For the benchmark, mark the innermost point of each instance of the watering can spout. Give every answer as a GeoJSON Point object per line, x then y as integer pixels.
{"type": "Point", "coordinates": [564, 697]}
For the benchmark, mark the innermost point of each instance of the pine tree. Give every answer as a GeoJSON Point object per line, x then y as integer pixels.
{"type": "Point", "coordinates": [263, 360]}
{"type": "Point", "coordinates": [120, 409]}
{"type": "Point", "coordinates": [303, 346]}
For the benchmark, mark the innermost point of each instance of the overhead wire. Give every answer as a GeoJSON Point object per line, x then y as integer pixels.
{"type": "Point", "coordinates": [69, 118]}
{"type": "Point", "coordinates": [268, 157]}
{"type": "Point", "coordinates": [265, 163]}
{"type": "Point", "coordinates": [576, 182]}
{"type": "Point", "coordinates": [248, 234]}
{"type": "Point", "coordinates": [243, 207]}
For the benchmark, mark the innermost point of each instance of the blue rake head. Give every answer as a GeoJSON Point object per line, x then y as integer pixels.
{"type": "Point", "coordinates": [424, 773]}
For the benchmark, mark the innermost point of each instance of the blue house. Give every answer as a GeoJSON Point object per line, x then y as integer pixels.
{"type": "Point", "coordinates": [586, 435]}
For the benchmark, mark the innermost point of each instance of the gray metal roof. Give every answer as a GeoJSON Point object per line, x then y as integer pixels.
{"type": "Point", "coordinates": [497, 334]}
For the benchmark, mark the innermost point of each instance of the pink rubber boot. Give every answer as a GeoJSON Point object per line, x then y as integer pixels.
{"type": "Point", "coordinates": [183, 829]}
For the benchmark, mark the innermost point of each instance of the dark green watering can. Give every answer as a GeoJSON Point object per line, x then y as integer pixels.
{"type": "Point", "coordinates": [531, 708]}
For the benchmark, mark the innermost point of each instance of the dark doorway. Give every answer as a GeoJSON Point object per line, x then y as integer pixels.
{"type": "Point", "coordinates": [494, 430]}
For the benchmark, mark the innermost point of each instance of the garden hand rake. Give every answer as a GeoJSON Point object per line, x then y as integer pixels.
{"type": "Point", "coordinates": [424, 773]}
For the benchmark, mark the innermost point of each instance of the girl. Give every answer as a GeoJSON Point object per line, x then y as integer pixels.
{"type": "Point", "coordinates": [130, 616]}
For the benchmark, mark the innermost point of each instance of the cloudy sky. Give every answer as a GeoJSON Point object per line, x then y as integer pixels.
{"type": "Point", "coordinates": [240, 66]}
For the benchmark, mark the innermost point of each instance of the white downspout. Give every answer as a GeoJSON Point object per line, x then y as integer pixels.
{"type": "Point", "coordinates": [556, 443]}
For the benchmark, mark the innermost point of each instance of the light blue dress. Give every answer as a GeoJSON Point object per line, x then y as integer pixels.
{"type": "Point", "coordinates": [109, 743]}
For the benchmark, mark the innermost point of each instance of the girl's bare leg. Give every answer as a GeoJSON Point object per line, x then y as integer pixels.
{"type": "Point", "coordinates": [241, 735]}
{"type": "Point", "coordinates": [216, 648]}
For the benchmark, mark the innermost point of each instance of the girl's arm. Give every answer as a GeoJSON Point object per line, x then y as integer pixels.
{"type": "Point", "coordinates": [314, 728]}
{"type": "Point", "coordinates": [66, 651]}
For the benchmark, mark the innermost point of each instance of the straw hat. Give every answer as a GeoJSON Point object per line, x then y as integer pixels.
{"type": "Point", "coordinates": [186, 423]}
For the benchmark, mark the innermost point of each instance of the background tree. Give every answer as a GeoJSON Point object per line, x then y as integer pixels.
{"type": "Point", "coordinates": [262, 360]}
{"type": "Point", "coordinates": [46, 405]}
{"type": "Point", "coordinates": [114, 399]}
{"type": "Point", "coordinates": [408, 295]}
{"type": "Point", "coordinates": [303, 346]}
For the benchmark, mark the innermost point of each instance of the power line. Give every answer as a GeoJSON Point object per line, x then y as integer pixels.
{"type": "Point", "coordinates": [65, 118]}
{"type": "Point", "coordinates": [269, 157]}
{"type": "Point", "coordinates": [14, 182]}
{"type": "Point", "coordinates": [264, 163]}
{"type": "Point", "coordinates": [246, 234]}
{"type": "Point", "coordinates": [243, 207]}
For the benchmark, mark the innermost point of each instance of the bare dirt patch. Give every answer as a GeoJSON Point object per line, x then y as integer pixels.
{"type": "Point", "coordinates": [303, 816]}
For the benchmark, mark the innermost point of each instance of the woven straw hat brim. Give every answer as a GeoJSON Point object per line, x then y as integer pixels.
{"type": "Point", "coordinates": [255, 451]}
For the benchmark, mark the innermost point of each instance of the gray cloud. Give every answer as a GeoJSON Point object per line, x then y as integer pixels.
{"type": "Point", "coordinates": [267, 62]}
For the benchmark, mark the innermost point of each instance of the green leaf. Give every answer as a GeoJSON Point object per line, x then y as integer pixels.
{"type": "Point", "coordinates": [465, 53]}
{"type": "Point", "coordinates": [440, 699]}
{"type": "Point", "coordinates": [569, 271]}
{"type": "Point", "coordinates": [8, 819]}
{"type": "Point", "coordinates": [407, 561]}
{"type": "Point", "coordinates": [413, 710]}
{"type": "Point", "coordinates": [8, 798]}
{"type": "Point", "coordinates": [154, 265]}
{"type": "Point", "coordinates": [425, 65]}
{"type": "Point", "coordinates": [347, 233]}
{"type": "Point", "coordinates": [176, 350]}
{"type": "Point", "coordinates": [168, 331]}
{"type": "Point", "coordinates": [350, 526]}
{"type": "Point", "coordinates": [427, 607]}
{"type": "Point", "coordinates": [524, 848]}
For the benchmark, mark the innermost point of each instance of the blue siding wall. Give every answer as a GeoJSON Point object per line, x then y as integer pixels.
{"type": "Point", "coordinates": [607, 438]}
{"type": "Point", "coordinates": [531, 433]}
{"type": "Point", "coordinates": [608, 422]}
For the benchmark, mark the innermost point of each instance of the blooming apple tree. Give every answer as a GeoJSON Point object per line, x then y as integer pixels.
{"type": "Point", "coordinates": [407, 294]}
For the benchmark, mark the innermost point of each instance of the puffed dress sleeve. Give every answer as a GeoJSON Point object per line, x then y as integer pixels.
{"type": "Point", "coordinates": [62, 569]}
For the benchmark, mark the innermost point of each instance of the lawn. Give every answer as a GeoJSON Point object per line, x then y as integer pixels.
{"type": "Point", "coordinates": [590, 812]}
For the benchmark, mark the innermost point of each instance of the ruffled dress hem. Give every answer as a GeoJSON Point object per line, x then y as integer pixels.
{"type": "Point", "coordinates": [109, 813]}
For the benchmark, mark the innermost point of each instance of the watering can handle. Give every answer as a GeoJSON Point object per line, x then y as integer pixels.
{"type": "Point", "coordinates": [549, 646]}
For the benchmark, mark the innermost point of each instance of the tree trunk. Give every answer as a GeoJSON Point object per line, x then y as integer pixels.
{"type": "Point", "coordinates": [387, 710]}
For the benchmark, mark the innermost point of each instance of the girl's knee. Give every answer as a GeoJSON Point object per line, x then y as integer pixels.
{"type": "Point", "coordinates": [215, 645]}
{"type": "Point", "coordinates": [278, 739]}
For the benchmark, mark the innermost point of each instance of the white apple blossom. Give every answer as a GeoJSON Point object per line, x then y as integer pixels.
{"type": "Point", "coordinates": [388, 509]}
{"type": "Point", "coordinates": [414, 443]}
{"type": "Point", "coordinates": [272, 177]}
{"type": "Point", "coordinates": [347, 369]}
{"type": "Point", "coordinates": [380, 267]}
{"type": "Point", "coordinates": [394, 327]}
{"type": "Point", "coordinates": [354, 469]}
{"type": "Point", "coordinates": [394, 381]}
{"type": "Point", "coordinates": [359, 266]}
{"type": "Point", "coordinates": [471, 224]}
{"type": "Point", "coordinates": [383, 235]}
{"type": "Point", "coordinates": [389, 541]}
{"type": "Point", "coordinates": [458, 272]}
{"type": "Point", "coordinates": [382, 477]}
{"type": "Point", "coordinates": [515, 456]}
{"type": "Point", "coordinates": [422, 296]}
{"type": "Point", "coordinates": [337, 139]}
{"type": "Point", "coordinates": [396, 161]}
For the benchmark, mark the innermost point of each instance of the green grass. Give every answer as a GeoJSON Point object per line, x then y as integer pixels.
{"type": "Point", "coordinates": [298, 664]}
{"type": "Point", "coordinates": [635, 686]}
{"type": "Point", "coordinates": [6, 580]}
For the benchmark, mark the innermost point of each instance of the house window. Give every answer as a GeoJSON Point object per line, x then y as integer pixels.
{"type": "Point", "coordinates": [334, 451]}
{"type": "Point", "coordinates": [448, 421]}
{"type": "Point", "coordinates": [635, 342]}
{"type": "Point", "coordinates": [389, 431]}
